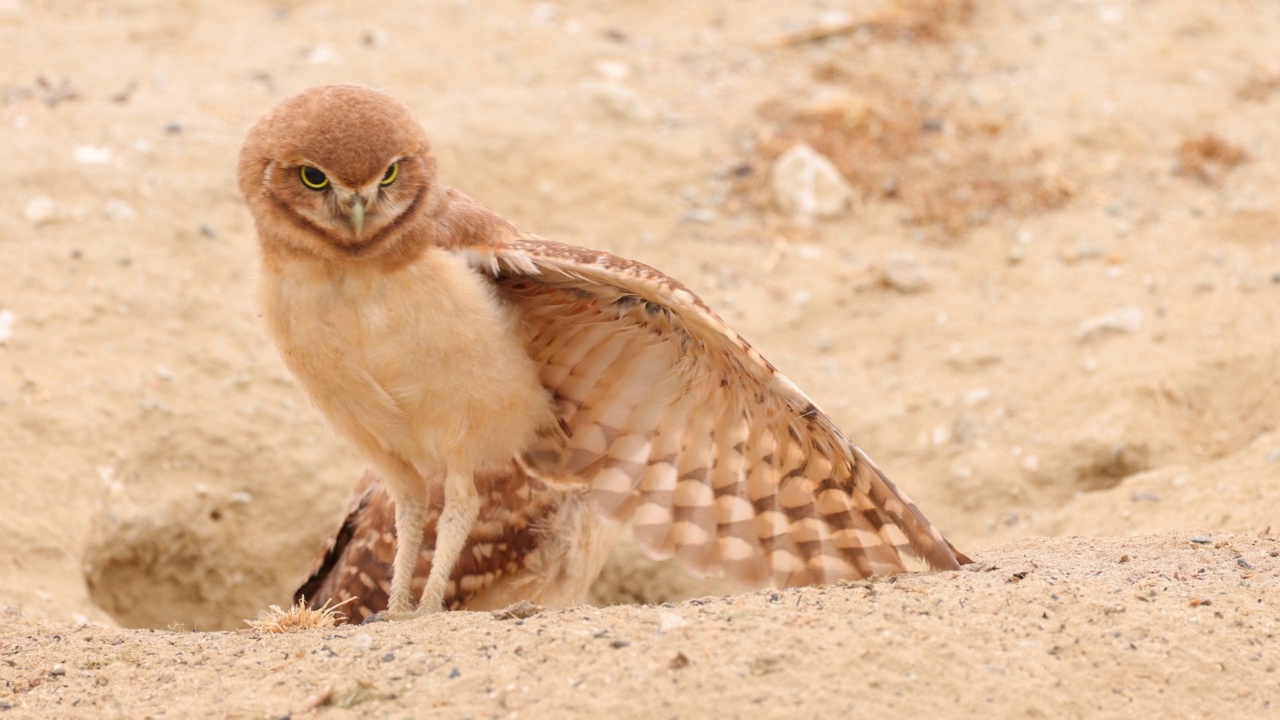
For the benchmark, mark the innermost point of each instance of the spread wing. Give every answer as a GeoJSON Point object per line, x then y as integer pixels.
{"type": "Point", "coordinates": [679, 425]}
{"type": "Point", "coordinates": [520, 547]}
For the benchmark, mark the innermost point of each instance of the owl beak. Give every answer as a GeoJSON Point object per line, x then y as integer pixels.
{"type": "Point", "coordinates": [356, 213]}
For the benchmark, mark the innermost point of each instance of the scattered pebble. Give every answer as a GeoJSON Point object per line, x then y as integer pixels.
{"type": "Point", "coordinates": [668, 621]}
{"type": "Point", "coordinates": [679, 662]}
{"type": "Point", "coordinates": [619, 644]}
{"type": "Point", "coordinates": [7, 319]}
{"type": "Point", "coordinates": [620, 100]}
{"type": "Point", "coordinates": [362, 642]}
{"type": "Point", "coordinates": [39, 210]}
{"type": "Point", "coordinates": [164, 373]}
{"type": "Point", "coordinates": [1200, 539]}
{"type": "Point", "coordinates": [613, 70]}
{"type": "Point", "coordinates": [388, 657]}
{"type": "Point", "coordinates": [1122, 320]}
{"type": "Point", "coordinates": [241, 497]}
{"type": "Point", "coordinates": [90, 155]}
{"type": "Point", "coordinates": [807, 185]}
{"type": "Point", "coordinates": [58, 670]}
{"type": "Point", "coordinates": [517, 611]}
{"type": "Point", "coordinates": [117, 209]}
{"type": "Point", "coordinates": [904, 274]}
{"type": "Point", "coordinates": [1144, 497]}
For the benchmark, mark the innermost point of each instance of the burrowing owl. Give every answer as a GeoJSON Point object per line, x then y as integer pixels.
{"type": "Point", "coordinates": [447, 344]}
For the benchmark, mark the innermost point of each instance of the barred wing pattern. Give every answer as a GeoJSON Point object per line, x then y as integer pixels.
{"type": "Point", "coordinates": [677, 424]}
{"type": "Point", "coordinates": [532, 541]}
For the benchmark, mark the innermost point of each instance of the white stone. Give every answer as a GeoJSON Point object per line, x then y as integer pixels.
{"type": "Point", "coordinates": [1121, 320]}
{"type": "Point", "coordinates": [90, 155]}
{"type": "Point", "coordinates": [807, 185]}
{"type": "Point", "coordinates": [39, 210]}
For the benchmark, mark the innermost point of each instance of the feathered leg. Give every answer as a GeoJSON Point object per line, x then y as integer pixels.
{"type": "Point", "coordinates": [461, 506]}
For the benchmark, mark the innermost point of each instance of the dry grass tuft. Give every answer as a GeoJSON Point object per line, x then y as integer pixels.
{"type": "Point", "coordinates": [1208, 158]}
{"type": "Point", "coordinates": [298, 617]}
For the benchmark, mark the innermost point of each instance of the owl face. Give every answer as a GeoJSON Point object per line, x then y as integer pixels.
{"type": "Point", "coordinates": [347, 168]}
{"type": "Point", "coordinates": [352, 215]}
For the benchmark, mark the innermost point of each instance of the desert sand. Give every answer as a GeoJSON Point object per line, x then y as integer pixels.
{"type": "Point", "coordinates": [1050, 311]}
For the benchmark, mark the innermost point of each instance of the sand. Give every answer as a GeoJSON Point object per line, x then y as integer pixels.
{"type": "Point", "coordinates": [1051, 312]}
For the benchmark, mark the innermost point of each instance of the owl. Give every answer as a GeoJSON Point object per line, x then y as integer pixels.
{"type": "Point", "coordinates": [459, 354]}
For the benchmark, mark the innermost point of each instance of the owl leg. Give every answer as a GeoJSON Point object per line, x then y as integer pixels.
{"type": "Point", "coordinates": [411, 520]}
{"type": "Point", "coordinates": [461, 506]}
{"type": "Point", "coordinates": [408, 490]}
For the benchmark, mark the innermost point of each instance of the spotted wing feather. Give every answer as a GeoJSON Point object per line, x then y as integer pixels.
{"type": "Point", "coordinates": [677, 424]}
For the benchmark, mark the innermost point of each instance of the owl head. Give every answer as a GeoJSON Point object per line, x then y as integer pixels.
{"type": "Point", "coordinates": [338, 172]}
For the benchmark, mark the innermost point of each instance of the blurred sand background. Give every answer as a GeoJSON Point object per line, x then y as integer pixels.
{"type": "Point", "coordinates": [1051, 312]}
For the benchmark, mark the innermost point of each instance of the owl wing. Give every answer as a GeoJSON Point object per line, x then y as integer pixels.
{"type": "Point", "coordinates": [679, 425]}
{"type": "Point", "coordinates": [512, 549]}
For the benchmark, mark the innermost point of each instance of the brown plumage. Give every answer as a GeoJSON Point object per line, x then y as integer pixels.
{"type": "Point", "coordinates": [449, 346]}
{"type": "Point", "coordinates": [531, 541]}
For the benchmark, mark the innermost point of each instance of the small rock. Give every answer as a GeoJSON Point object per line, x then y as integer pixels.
{"type": "Point", "coordinates": [1144, 497]}
{"type": "Point", "coordinates": [668, 621]}
{"type": "Point", "coordinates": [90, 155]}
{"type": "Point", "coordinates": [164, 373]}
{"type": "Point", "coordinates": [807, 185]}
{"type": "Point", "coordinates": [904, 274]}
{"type": "Point", "coordinates": [40, 210]}
{"type": "Point", "coordinates": [1200, 539]}
{"type": "Point", "coordinates": [679, 662]}
{"type": "Point", "coordinates": [517, 611]}
{"type": "Point", "coordinates": [613, 70]}
{"type": "Point", "coordinates": [241, 497]}
{"type": "Point", "coordinates": [621, 100]}
{"type": "Point", "coordinates": [388, 657]}
{"type": "Point", "coordinates": [619, 644]}
{"type": "Point", "coordinates": [119, 210]}
{"type": "Point", "coordinates": [58, 670]}
{"type": "Point", "coordinates": [7, 318]}
{"type": "Point", "coordinates": [1122, 320]}
{"type": "Point", "coordinates": [362, 642]}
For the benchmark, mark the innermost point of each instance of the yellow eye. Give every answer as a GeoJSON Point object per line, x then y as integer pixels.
{"type": "Point", "coordinates": [392, 173]}
{"type": "Point", "coordinates": [313, 178]}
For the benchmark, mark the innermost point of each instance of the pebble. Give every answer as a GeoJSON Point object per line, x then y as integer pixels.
{"type": "Point", "coordinates": [7, 318]}
{"type": "Point", "coordinates": [58, 670]}
{"type": "Point", "coordinates": [668, 621]}
{"type": "Point", "coordinates": [1200, 539]}
{"type": "Point", "coordinates": [90, 155]}
{"type": "Point", "coordinates": [117, 209]}
{"type": "Point", "coordinates": [39, 210]}
{"type": "Point", "coordinates": [806, 184]}
{"type": "Point", "coordinates": [904, 274]}
{"type": "Point", "coordinates": [1122, 320]}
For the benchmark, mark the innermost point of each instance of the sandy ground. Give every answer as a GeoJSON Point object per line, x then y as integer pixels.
{"type": "Point", "coordinates": [1052, 314]}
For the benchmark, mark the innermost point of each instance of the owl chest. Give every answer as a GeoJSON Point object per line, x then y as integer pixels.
{"type": "Point", "coordinates": [424, 363]}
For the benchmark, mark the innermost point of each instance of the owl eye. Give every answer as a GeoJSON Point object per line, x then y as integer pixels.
{"type": "Point", "coordinates": [313, 178]}
{"type": "Point", "coordinates": [392, 173]}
